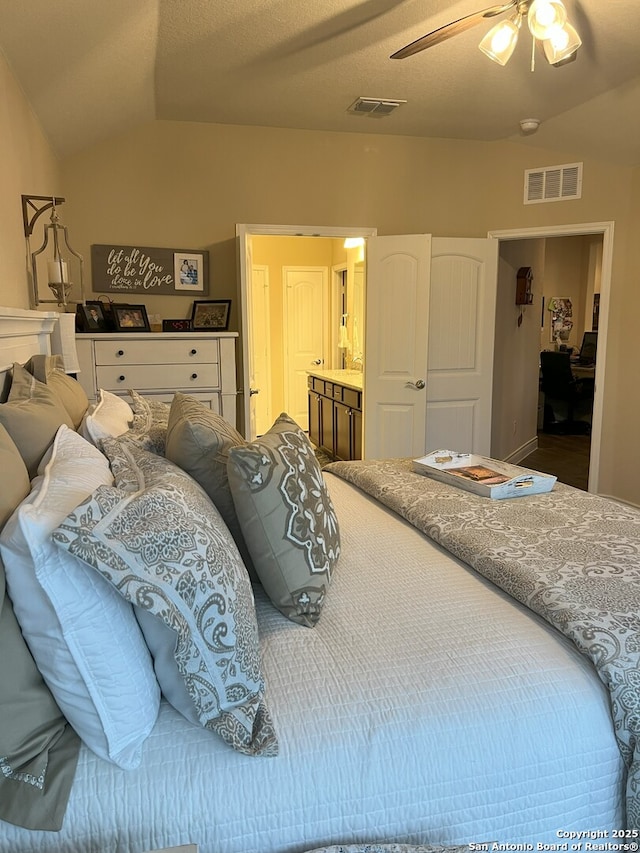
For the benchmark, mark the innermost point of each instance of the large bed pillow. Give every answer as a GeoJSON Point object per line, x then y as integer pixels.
{"type": "Point", "coordinates": [109, 417]}
{"type": "Point", "coordinates": [50, 370]}
{"type": "Point", "coordinates": [159, 540]}
{"type": "Point", "coordinates": [287, 518]}
{"type": "Point", "coordinates": [199, 441]}
{"type": "Point", "coordinates": [83, 636]}
{"type": "Point", "coordinates": [38, 748]}
{"type": "Point", "coordinates": [32, 415]}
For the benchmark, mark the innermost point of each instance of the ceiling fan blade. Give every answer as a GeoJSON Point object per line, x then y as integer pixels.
{"type": "Point", "coordinates": [452, 29]}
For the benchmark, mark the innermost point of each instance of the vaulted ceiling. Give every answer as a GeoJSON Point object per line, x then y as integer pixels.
{"type": "Point", "coordinates": [91, 69]}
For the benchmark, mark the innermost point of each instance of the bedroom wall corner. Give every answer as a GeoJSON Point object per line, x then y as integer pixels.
{"type": "Point", "coordinates": [28, 166]}
{"type": "Point", "coordinates": [515, 375]}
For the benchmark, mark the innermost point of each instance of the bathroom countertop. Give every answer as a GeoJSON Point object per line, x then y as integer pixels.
{"type": "Point", "coordinates": [348, 378]}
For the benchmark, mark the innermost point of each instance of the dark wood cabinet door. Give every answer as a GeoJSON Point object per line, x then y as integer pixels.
{"type": "Point", "coordinates": [342, 431]}
{"type": "Point", "coordinates": [315, 422]}
{"type": "Point", "coordinates": [326, 425]}
{"type": "Point", "coordinates": [356, 434]}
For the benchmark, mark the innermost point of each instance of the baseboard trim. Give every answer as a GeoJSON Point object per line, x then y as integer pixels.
{"type": "Point", "coordinates": [524, 450]}
{"type": "Point", "coordinates": [619, 500]}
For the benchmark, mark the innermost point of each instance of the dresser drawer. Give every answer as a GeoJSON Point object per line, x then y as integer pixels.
{"type": "Point", "coordinates": [171, 377]}
{"type": "Point", "coordinates": [157, 352]}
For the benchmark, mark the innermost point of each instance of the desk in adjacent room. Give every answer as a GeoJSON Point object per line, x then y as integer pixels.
{"type": "Point", "coordinates": [583, 371]}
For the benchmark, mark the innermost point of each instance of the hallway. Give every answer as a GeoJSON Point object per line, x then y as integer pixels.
{"type": "Point", "coordinates": [566, 456]}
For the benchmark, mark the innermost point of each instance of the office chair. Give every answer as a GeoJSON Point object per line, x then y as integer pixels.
{"type": "Point", "coordinates": [559, 386]}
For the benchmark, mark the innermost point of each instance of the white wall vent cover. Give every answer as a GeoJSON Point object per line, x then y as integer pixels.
{"type": "Point", "coordinates": [553, 183]}
{"type": "Point", "coordinates": [376, 107]}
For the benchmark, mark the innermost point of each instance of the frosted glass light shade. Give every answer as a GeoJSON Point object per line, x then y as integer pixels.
{"type": "Point", "coordinates": [500, 42]}
{"type": "Point", "coordinates": [545, 16]}
{"type": "Point", "coordinates": [563, 43]}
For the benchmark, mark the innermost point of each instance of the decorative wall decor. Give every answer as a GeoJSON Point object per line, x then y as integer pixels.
{"type": "Point", "coordinates": [561, 318]}
{"type": "Point", "coordinates": [149, 270]}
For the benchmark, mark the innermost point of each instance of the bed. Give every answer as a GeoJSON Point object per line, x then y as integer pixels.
{"type": "Point", "coordinates": [413, 702]}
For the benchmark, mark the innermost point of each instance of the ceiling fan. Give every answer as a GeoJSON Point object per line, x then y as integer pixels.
{"type": "Point", "coordinates": [546, 20]}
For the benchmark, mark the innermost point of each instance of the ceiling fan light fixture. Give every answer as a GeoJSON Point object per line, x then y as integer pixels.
{"type": "Point", "coordinates": [500, 42]}
{"type": "Point", "coordinates": [545, 16]}
{"type": "Point", "coordinates": [562, 44]}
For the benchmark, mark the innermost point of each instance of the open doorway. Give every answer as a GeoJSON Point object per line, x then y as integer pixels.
{"type": "Point", "coordinates": [568, 261]}
{"type": "Point", "coordinates": [298, 314]}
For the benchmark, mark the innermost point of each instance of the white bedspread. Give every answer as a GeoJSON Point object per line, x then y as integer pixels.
{"type": "Point", "coordinates": [425, 708]}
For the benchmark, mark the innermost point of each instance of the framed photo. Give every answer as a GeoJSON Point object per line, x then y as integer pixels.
{"type": "Point", "coordinates": [90, 318]}
{"type": "Point", "coordinates": [211, 315]}
{"type": "Point", "coordinates": [189, 271]}
{"type": "Point", "coordinates": [130, 318]}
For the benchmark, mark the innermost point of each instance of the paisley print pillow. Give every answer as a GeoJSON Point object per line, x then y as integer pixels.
{"type": "Point", "coordinates": [150, 419]}
{"type": "Point", "coordinates": [287, 518]}
{"type": "Point", "coordinates": [160, 541]}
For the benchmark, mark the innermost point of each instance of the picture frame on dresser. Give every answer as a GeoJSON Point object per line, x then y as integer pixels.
{"type": "Point", "coordinates": [130, 318]}
{"type": "Point", "coordinates": [210, 315]}
{"type": "Point", "coordinates": [90, 317]}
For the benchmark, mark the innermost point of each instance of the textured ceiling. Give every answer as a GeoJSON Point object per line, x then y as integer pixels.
{"type": "Point", "coordinates": [92, 68]}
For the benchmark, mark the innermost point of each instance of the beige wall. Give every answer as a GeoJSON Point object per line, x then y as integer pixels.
{"type": "Point", "coordinates": [181, 184]}
{"type": "Point", "coordinates": [516, 363]}
{"type": "Point", "coordinates": [566, 272]}
{"type": "Point", "coordinates": [27, 167]}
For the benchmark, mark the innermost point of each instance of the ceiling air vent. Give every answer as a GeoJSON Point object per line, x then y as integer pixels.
{"type": "Point", "coordinates": [378, 107]}
{"type": "Point", "coordinates": [554, 183]}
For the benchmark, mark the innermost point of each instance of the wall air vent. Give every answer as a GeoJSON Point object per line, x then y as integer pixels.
{"type": "Point", "coordinates": [553, 183]}
{"type": "Point", "coordinates": [377, 107]}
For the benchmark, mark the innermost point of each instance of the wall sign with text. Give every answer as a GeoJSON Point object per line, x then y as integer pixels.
{"type": "Point", "coordinates": [143, 269]}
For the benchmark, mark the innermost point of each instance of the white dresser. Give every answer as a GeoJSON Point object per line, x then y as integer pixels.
{"type": "Point", "coordinates": [157, 364]}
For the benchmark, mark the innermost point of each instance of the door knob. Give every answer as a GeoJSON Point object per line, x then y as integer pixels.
{"type": "Point", "coordinates": [317, 361]}
{"type": "Point", "coordinates": [419, 384]}
{"type": "Point", "coordinates": [253, 391]}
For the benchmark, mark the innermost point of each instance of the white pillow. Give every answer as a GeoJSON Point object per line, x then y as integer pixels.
{"type": "Point", "coordinates": [109, 417]}
{"type": "Point", "coordinates": [84, 636]}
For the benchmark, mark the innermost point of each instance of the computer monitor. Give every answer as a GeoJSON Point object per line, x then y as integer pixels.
{"type": "Point", "coordinates": [589, 347]}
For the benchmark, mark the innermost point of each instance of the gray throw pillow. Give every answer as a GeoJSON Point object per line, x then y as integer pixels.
{"type": "Point", "coordinates": [199, 441]}
{"type": "Point", "coordinates": [32, 416]}
{"type": "Point", "coordinates": [159, 540]}
{"type": "Point", "coordinates": [49, 369]}
{"type": "Point", "coordinates": [38, 749]}
{"type": "Point", "coordinates": [287, 518]}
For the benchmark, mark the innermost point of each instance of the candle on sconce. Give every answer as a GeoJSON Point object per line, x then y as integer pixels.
{"type": "Point", "coordinates": [57, 271]}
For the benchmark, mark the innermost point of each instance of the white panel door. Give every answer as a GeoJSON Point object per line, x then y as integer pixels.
{"type": "Point", "coordinates": [461, 341]}
{"type": "Point", "coordinates": [306, 291]}
{"type": "Point", "coordinates": [260, 352]}
{"type": "Point", "coordinates": [395, 359]}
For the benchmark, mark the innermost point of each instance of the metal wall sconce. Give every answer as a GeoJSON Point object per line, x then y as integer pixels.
{"type": "Point", "coordinates": [55, 233]}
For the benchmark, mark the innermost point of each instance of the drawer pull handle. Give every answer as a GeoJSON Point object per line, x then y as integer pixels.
{"type": "Point", "coordinates": [194, 352]}
{"type": "Point", "coordinates": [194, 375]}
{"type": "Point", "coordinates": [121, 378]}
{"type": "Point", "coordinates": [120, 353]}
